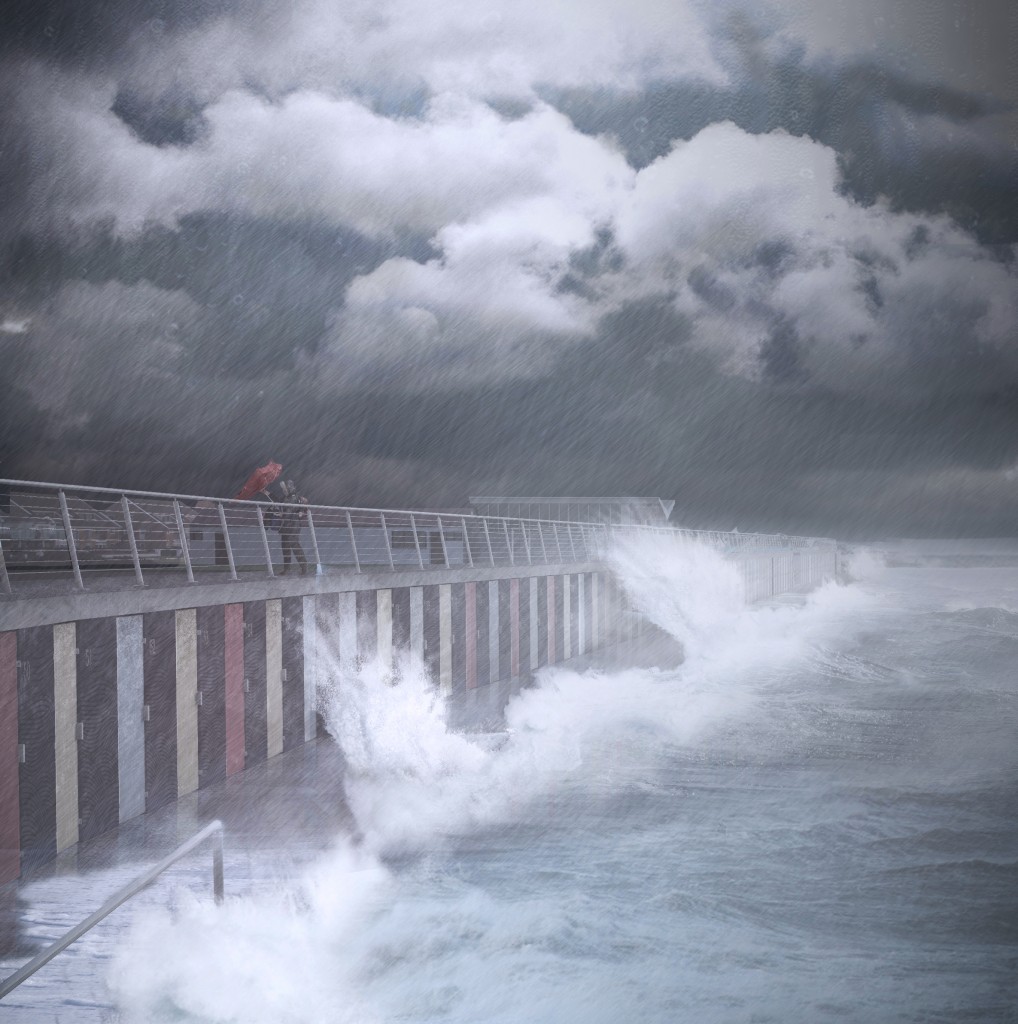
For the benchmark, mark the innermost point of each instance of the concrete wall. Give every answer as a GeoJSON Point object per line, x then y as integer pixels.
{"type": "Point", "coordinates": [104, 718]}
{"type": "Point", "coordinates": [115, 704]}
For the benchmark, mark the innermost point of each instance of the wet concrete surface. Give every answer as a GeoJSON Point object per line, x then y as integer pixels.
{"type": "Point", "coordinates": [278, 816]}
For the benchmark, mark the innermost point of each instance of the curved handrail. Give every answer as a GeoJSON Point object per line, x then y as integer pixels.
{"type": "Point", "coordinates": [213, 830]}
{"type": "Point", "coordinates": [432, 513]}
{"type": "Point", "coordinates": [60, 525]}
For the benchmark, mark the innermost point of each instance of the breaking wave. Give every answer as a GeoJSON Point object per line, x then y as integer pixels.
{"type": "Point", "coordinates": [315, 949]}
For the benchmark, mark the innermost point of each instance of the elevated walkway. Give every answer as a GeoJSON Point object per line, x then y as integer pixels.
{"type": "Point", "coordinates": [59, 543]}
{"type": "Point", "coordinates": [150, 646]}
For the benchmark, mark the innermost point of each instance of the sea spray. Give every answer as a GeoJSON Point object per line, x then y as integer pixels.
{"type": "Point", "coordinates": [340, 942]}
{"type": "Point", "coordinates": [864, 564]}
{"type": "Point", "coordinates": [286, 957]}
{"type": "Point", "coordinates": [686, 588]}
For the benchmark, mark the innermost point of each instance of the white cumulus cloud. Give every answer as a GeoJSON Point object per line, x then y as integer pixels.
{"type": "Point", "coordinates": [501, 48]}
{"type": "Point", "coordinates": [754, 237]}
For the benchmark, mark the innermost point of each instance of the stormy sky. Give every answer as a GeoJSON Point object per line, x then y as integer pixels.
{"type": "Point", "coordinates": [758, 258]}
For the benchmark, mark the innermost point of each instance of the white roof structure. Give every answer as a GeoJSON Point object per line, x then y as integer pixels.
{"type": "Point", "coordinates": [621, 511]}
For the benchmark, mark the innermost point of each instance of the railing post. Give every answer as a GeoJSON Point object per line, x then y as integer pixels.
{"type": "Point", "coordinates": [5, 580]}
{"type": "Point", "coordinates": [183, 541]}
{"type": "Point", "coordinates": [586, 540]}
{"type": "Point", "coordinates": [441, 537]}
{"type": "Point", "coordinates": [265, 540]}
{"type": "Point", "coordinates": [388, 544]}
{"type": "Point", "coordinates": [226, 541]}
{"type": "Point", "coordinates": [417, 540]}
{"type": "Point", "coordinates": [558, 543]}
{"type": "Point", "coordinates": [71, 549]}
{"type": "Point", "coordinates": [544, 547]}
{"type": "Point", "coordinates": [466, 540]}
{"type": "Point", "coordinates": [314, 541]}
{"type": "Point", "coordinates": [353, 541]}
{"type": "Point", "coordinates": [487, 537]}
{"type": "Point", "coordinates": [132, 540]}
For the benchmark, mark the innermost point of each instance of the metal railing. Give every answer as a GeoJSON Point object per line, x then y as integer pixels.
{"type": "Point", "coordinates": [213, 831]}
{"type": "Point", "coordinates": [52, 529]}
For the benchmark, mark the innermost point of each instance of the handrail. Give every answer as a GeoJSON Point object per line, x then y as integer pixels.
{"type": "Point", "coordinates": [249, 503]}
{"type": "Point", "coordinates": [213, 830]}
{"type": "Point", "coordinates": [193, 534]}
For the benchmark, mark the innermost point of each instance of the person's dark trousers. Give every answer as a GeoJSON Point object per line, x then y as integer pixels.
{"type": "Point", "coordinates": [292, 551]}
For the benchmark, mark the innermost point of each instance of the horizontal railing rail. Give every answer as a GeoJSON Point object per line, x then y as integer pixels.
{"type": "Point", "coordinates": [78, 532]}
{"type": "Point", "coordinates": [213, 831]}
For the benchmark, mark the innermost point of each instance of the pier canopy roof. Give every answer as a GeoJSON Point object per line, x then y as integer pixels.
{"type": "Point", "coordinates": [621, 511]}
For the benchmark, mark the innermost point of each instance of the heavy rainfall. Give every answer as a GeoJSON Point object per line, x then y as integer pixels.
{"type": "Point", "coordinates": [285, 287]}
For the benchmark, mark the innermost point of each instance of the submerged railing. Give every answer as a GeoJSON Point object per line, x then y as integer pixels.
{"type": "Point", "coordinates": [51, 529]}
{"type": "Point", "coordinates": [213, 831]}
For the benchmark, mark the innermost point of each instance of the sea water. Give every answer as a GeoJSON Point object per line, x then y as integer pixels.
{"type": "Point", "coordinates": [814, 817]}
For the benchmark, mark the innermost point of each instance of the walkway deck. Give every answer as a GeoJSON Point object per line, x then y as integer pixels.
{"type": "Point", "coordinates": [278, 816]}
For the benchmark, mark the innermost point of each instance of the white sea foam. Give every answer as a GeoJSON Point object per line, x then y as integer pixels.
{"type": "Point", "coordinates": [307, 954]}
{"type": "Point", "coordinates": [269, 959]}
{"type": "Point", "coordinates": [865, 563]}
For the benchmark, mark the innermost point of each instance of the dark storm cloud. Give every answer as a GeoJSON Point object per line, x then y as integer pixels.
{"type": "Point", "coordinates": [194, 334]}
{"type": "Point", "coordinates": [757, 457]}
{"type": "Point", "coordinates": [472, 311]}
{"type": "Point", "coordinates": [87, 33]}
{"type": "Point", "coordinates": [171, 119]}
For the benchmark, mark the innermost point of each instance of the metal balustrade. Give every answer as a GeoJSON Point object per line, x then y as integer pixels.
{"type": "Point", "coordinates": [55, 531]}
{"type": "Point", "coordinates": [213, 831]}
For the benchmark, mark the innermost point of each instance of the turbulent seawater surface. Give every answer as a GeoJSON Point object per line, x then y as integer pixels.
{"type": "Point", "coordinates": [814, 817]}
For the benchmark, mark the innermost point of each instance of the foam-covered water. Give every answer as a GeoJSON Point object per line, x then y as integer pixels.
{"type": "Point", "coordinates": [812, 818]}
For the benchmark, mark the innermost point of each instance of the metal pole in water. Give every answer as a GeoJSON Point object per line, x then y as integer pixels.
{"type": "Point", "coordinates": [215, 830]}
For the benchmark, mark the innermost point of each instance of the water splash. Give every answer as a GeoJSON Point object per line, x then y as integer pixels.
{"type": "Point", "coordinates": [315, 949]}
